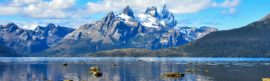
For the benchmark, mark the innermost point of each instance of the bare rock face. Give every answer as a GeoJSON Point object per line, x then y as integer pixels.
{"type": "Point", "coordinates": [152, 11]}
{"type": "Point", "coordinates": [128, 11]}
{"type": "Point", "coordinates": [31, 41]}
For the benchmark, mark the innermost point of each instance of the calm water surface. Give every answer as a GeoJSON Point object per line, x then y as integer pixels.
{"type": "Point", "coordinates": [134, 69]}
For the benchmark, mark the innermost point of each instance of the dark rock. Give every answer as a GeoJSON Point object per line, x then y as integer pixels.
{"type": "Point", "coordinates": [128, 11]}
{"type": "Point", "coordinates": [152, 11]}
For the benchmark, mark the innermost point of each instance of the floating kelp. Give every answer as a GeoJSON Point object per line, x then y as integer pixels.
{"type": "Point", "coordinates": [95, 71]}
{"type": "Point", "coordinates": [68, 80]}
{"type": "Point", "coordinates": [114, 65]}
{"type": "Point", "coordinates": [189, 71]}
{"type": "Point", "coordinates": [65, 64]}
{"type": "Point", "coordinates": [265, 79]}
{"type": "Point", "coordinates": [206, 70]}
{"type": "Point", "coordinates": [173, 75]}
{"type": "Point", "coordinates": [97, 74]}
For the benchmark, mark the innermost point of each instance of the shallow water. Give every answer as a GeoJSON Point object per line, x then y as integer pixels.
{"type": "Point", "coordinates": [134, 69]}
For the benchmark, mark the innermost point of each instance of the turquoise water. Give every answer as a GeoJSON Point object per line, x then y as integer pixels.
{"type": "Point", "coordinates": [133, 69]}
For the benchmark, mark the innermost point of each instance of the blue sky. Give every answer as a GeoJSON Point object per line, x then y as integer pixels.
{"type": "Point", "coordinates": [222, 14]}
{"type": "Point", "coordinates": [246, 12]}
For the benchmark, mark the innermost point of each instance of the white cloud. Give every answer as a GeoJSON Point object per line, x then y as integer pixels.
{"type": "Point", "coordinates": [229, 6]}
{"type": "Point", "coordinates": [230, 3]}
{"type": "Point", "coordinates": [24, 2]}
{"type": "Point", "coordinates": [48, 11]}
{"type": "Point", "coordinates": [109, 5]}
{"type": "Point", "coordinates": [66, 8]}
{"type": "Point", "coordinates": [9, 10]}
{"type": "Point", "coordinates": [176, 6]}
{"type": "Point", "coordinates": [61, 4]}
{"type": "Point", "coordinates": [39, 8]}
{"type": "Point", "coordinates": [188, 6]}
{"type": "Point", "coordinates": [52, 9]}
{"type": "Point", "coordinates": [66, 12]}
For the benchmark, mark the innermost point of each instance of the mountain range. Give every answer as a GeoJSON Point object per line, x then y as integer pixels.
{"type": "Point", "coordinates": [149, 34]}
{"type": "Point", "coordinates": [151, 30]}
{"type": "Point", "coordinates": [31, 41]}
{"type": "Point", "coordinates": [252, 40]}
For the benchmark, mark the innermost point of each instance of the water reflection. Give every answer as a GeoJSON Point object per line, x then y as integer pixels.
{"type": "Point", "coordinates": [135, 69]}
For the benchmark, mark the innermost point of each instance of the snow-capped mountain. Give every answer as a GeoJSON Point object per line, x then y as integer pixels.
{"type": "Point", "coordinates": [153, 30]}
{"type": "Point", "coordinates": [153, 18]}
{"type": "Point", "coordinates": [192, 33]}
{"type": "Point", "coordinates": [31, 41]}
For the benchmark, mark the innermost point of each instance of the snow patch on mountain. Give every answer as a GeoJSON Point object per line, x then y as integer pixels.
{"type": "Point", "coordinates": [155, 19]}
{"type": "Point", "coordinates": [148, 21]}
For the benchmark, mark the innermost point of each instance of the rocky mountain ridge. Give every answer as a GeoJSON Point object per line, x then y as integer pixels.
{"type": "Point", "coordinates": [31, 41]}
{"type": "Point", "coordinates": [124, 30]}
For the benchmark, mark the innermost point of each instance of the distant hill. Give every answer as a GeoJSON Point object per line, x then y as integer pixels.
{"type": "Point", "coordinates": [252, 40]}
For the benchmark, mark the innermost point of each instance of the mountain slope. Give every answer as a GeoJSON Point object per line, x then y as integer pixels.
{"type": "Point", "coordinates": [250, 41]}
{"type": "Point", "coordinates": [6, 51]}
{"type": "Point", "coordinates": [124, 30]}
{"type": "Point", "coordinates": [31, 41]}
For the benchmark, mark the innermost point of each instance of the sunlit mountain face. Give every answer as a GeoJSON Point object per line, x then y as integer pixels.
{"type": "Point", "coordinates": [151, 30]}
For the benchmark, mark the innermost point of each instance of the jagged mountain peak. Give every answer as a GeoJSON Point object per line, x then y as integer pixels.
{"type": "Point", "coordinates": [51, 25]}
{"type": "Point", "coordinates": [165, 12]}
{"type": "Point", "coordinates": [164, 8]}
{"type": "Point", "coordinates": [48, 27]}
{"type": "Point", "coordinates": [10, 27]}
{"type": "Point", "coordinates": [152, 11]}
{"type": "Point", "coordinates": [168, 17]}
{"type": "Point", "coordinates": [11, 24]}
{"type": "Point", "coordinates": [153, 18]}
{"type": "Point", "coordinates": [26, 41]}
{"type": "Point", "coordinates": [128, 11]}
{"type": "Point", "coordinates": [109, 16]}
